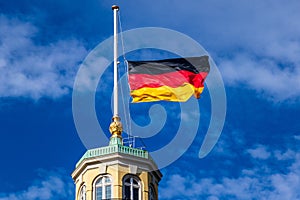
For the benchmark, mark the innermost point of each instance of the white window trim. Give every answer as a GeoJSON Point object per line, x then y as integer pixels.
{"type": "Point", "coordinates": [103, 188]}
{"type": "Point", "coordinates": [131, 185]}
{"type": "Point", "coordinates": [82, 188]}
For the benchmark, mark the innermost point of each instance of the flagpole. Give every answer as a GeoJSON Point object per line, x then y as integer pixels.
{"type": "Point", "coordinates": [116, 107]}
{"type": "Point", "coordinates": [116, 127]}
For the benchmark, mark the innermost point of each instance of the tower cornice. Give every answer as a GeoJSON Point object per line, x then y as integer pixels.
{"type": "Point", "coordinates": [116, 155]}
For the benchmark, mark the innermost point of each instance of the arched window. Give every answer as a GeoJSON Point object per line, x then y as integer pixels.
{"type": "Point", "coordinates": [103, 187]}
{"type": "Point", "coordinates": [131, 188]}
{"type": "Point", "coordinates": [82, 193]}
{"type": "Point", "coordinates": [152, 195]}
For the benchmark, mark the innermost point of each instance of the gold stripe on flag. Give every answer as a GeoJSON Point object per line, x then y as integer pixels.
{"type": "Point", "coordinates": [178, 94]}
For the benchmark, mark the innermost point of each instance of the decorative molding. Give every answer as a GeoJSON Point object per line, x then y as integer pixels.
{"type": "Point", "coordinates": [102, 168]}
{"type": "Point", "coordinates": [133, 169]}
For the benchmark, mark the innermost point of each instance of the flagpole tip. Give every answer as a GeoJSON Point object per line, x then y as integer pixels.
{"type": "Point", "coordinates": [115, 7]}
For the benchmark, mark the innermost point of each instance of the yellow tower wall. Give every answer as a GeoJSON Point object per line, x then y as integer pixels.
{"type": "Point", "coordinates": [91, 172]}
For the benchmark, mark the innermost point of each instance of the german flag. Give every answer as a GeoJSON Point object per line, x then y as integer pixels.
{"type": "Point", "coordinates": [170, 80]}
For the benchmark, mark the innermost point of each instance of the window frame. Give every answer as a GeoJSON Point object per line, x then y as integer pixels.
{"type": "Point", "coordinates": [131, 178]}
{"type": "Point", "coordinates": [82, 188]}
{"type": "Point", "coordinates": [104, 184]}
{"type": "Point", "coordinates": [153, 193]}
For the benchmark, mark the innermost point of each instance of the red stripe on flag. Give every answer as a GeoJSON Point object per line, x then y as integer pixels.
{"type": "Point", "coordinates": [171, 79]}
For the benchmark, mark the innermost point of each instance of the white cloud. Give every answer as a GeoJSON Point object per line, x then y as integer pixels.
{"type": "Point", "coordinates": [262, 39]}
{"type": "Point", "coordinates": [260, 152]}
{"type": "Point", "coordinates": [260, 182]}
{"type": "Point", "coordinates": [287, 155]}
{"type": "Point", "coordinates": [297, 137]}
{"type": "Point", "coordinates": [267, 26]}
{"type": "Point", "coordinates": [28, 69]}
{"type": "Point", "coordinates": [269, 47]}
{"type": "Point", "coordinates": [265, 76]}
{"type": "Point", "coordinates": [53, 185]}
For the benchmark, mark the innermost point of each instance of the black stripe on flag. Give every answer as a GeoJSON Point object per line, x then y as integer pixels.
{"type": "Point", "coordinates": [192, 64]}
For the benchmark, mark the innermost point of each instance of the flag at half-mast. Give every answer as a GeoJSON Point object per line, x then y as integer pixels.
{"type": "Point", "coordinates": [170, 80]}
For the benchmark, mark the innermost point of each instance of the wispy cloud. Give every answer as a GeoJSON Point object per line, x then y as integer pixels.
{"type": "Point", "coordinates": [287, 155]}
{"type": "Point", "coordinates": [259, 182]}
{"type": "Point", "coordinates": [30, 69]}
{"type": "Point", "coordinates": [262, 50]}
{"type": "Point", "coordinates": [261, 172]}
{"type": "Point", "coordinates": [260, 152]}
{"type": "Point", "coordinates": [54, 185]}
{"type": "Point", "coordinates": [258, 42]}
{"type": "Point", "coordinates": [267, 76]}
{"type": "Point", "coordinates": [297, 137]}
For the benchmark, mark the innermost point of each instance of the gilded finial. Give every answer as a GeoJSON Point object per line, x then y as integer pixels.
{"type": "Point", "coordinates": [116, 127]}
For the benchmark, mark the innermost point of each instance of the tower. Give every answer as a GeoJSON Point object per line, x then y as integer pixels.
{"type": "Point", "coordinates": [116, 171]}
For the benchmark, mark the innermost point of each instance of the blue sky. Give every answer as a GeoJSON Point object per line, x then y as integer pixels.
{"type": "Point", "coordinates": [255, 44]}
